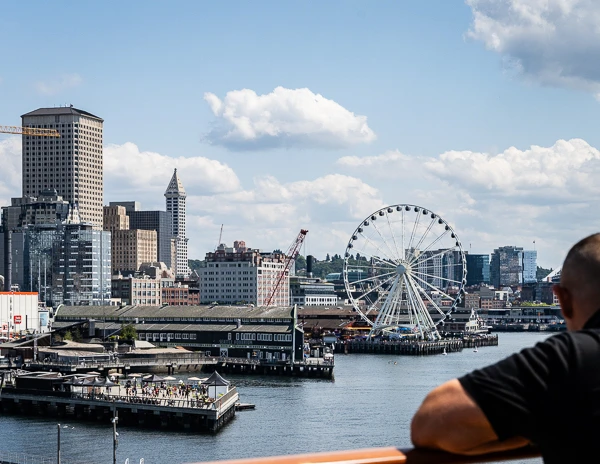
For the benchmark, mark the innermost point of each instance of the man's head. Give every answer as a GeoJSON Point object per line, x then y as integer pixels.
{"type": "Point", "coordinates": [579, 288]}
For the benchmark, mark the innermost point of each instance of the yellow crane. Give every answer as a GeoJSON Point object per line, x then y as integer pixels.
{"type": "Point", "coordinates": [34, 131]}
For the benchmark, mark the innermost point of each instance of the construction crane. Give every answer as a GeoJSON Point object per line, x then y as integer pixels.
{"type": "Point", "coordinates": [34, 131]}
{"type": "Point", "coordinates": [290, 257]}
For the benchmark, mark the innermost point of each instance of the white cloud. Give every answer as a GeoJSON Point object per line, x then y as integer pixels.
{"type": "Point", "coordinates": [58, 84]}
{"type": "Point", "coordinates": [547, 194]}
{"type": "Point", "coordinates": [554, 42]}
{"type": "Point", "coordinates": [129, 170]}
{"type": "Point", "coordinates": [284, 117]}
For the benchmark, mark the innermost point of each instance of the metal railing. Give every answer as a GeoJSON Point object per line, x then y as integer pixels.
{"type": "Point", "coordinates": [387, 456]}
{"type": "Point", "coordinates": [190, 402]}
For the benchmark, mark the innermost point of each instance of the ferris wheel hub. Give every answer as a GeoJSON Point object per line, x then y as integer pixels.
{"type": "Point", "coordinates": [402, 269]}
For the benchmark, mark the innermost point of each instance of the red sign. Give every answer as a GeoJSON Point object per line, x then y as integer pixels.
{"type": "Point", "coordinates": [17, 319]}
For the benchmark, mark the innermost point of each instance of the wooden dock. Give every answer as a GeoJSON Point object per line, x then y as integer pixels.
{"type": "Point", "coordinates": [145, 411]}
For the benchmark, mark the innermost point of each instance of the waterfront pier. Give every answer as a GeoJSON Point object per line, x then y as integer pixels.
{"type": "Point", "coordinates": [414, 347]}
{"type": "Point", "coordinates": [193, 413]}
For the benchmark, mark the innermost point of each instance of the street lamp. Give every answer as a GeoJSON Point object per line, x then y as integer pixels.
{"type": "Point", "coordinates": [114, 421]}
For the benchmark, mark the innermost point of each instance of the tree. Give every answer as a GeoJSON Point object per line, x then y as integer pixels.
{"type": "Point", "coordinates": [128, 332]}
{"type": "Point", "coordinates": [300, 262]}
{"type": "Point", "coordinates": [68, 336]}
{"type": "Point", "coordinates": [327, 258]}
{"type": "Point", "coordinates": [195, 264]}
{"type": "Point", "coordinates": [541, 272]}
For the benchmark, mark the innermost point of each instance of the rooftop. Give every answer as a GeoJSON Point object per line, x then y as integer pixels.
{"type": "Point", "coordinates": [147, 312]}
{"type": "Point", "coordinates": [61, 110]}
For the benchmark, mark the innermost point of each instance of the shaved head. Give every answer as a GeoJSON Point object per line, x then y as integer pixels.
{"type": "Point", "coordinates": [580, 278]}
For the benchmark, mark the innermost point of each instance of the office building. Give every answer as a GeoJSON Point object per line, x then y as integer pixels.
{"type": "Point", "coordinates": [140, 290]}
{"type": "Point", "coordinates": [478, 269]}
{"type": "Point", "coordinates": [72, 164]}
{"type": "Point", "coordinates": [175, 197]}
{"type": "Point", "coordinates": [81, 273]}
{"type": "Point", "coordinates": [529, 266]}
{"type": "Point", "coordinates": [506, 267]}
{"type": "Point", "coordinates": [129, 247]}
{"type": "Point", "coordinates": [311, 291]}
{"type": "Point", "coordinates": [244, 275]}
{"type": "Point", "coordinates": [159, 221]}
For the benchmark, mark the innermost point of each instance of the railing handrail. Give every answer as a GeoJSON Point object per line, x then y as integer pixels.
{"type": "Point", "coordinates": [388, 455]}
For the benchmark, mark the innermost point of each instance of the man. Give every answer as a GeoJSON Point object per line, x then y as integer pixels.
{"type": "Point", "coordinates": [548, 395]}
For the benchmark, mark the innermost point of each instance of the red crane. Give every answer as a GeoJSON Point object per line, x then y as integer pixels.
{"type": "Point", "coordinates": [290, 256]}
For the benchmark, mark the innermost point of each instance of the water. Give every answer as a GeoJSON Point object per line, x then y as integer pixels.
{"type": "Point", "coordinates": [369, 404]}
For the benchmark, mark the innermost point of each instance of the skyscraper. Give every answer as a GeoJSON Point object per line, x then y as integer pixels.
{"type": "Point", "coordinates": [175, 195]}
{"type": "Point", "coordinates": [71, 164]}
{"type": "Point", "coordinates": [529, 266]}
{"type": "Point", "coordinates": [506, 267]}
{"type": "Point", "coordinates": [478, 269]}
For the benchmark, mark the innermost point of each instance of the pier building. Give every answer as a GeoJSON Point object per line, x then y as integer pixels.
{"type": "Point", "coordinates": [227, 331]}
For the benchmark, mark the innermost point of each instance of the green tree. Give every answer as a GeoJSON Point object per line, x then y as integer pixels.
{"type": "Point", "coordinates": [300, 263]}
{"type": "Point", "coordinates": [128, 332]}
{"type": "Point", "coordinates": [196, 264]}
{"type": "Point", "coordinates": [541, 272]}
{"type": "Point", "coordinates": [68, 336]}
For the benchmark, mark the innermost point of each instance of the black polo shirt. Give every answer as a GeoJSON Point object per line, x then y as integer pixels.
{"type": "Point", "coordinates": [549, 394]}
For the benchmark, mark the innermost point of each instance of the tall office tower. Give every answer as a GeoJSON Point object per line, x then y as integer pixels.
{"type": "Point", "coordinates": [478, 269]}
{"type": "Point", "coordinates": [506, 267]}
{"type": "Point", "coordinates": [529, 266]}
{"type": "Point", "coordinates": [71, 164]}
{"type": "Point", "coordinates": [175, 196]}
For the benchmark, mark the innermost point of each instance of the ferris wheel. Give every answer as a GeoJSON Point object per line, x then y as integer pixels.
{"type": "Point", "coordinates": [405, 271]}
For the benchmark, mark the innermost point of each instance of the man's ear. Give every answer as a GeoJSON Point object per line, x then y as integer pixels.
{"type": "Point", "coordinates": [565, 301]}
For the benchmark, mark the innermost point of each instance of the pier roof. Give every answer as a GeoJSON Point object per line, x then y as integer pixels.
{"type": "Point", "coordinates": [206, 312]}
{"type": "Point", "coordinates": [179, 327]}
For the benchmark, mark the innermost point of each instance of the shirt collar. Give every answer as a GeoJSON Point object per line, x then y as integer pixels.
{"type": "Point", "coordinates": [593, 322]}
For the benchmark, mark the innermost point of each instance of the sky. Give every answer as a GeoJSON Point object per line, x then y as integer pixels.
{"type": "Point", "coordinates": [288, 115]}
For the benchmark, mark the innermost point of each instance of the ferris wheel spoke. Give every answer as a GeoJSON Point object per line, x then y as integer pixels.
{"type": "Point", "coordinates": [379, 285]}
{"type": "Point", "coordinates": [400, 256]}
{"type": "Point", "coordinates": [383, 239]}
{"type": "Point", "coordinates": [387, 263]}
{"type": "Point", "coordinates": [375, 277]}
{"type": "Point", "coordinates": [432, 330]}
{"type": "Point", "coordinates": [381, 252]}
{"type": "Point", "coordinates": [429, 227]}
{"type": "Point", "coordinates": [435, 289]}
{"type": "Point", "coordinates": [436, 240]}
{"type": "Point", "coordinates": [403, 249]}
{"type": "Point", "coordinates": [436, 277]}
{"type": "Point", "coordinates": [438, 309]}
{"type": "Point", "coordinates": [412, 235]}
{"type": "Point", "coordinates": [429, 258]}
{"type": "Point", "coordinates": [413, 306]}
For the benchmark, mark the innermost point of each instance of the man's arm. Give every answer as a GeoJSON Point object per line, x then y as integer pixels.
{"type": "Point", "coordinates": [450, 420]}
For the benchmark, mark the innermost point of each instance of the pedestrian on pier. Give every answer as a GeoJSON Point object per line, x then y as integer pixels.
{"type": "Point", "coordinates": [546, 395]}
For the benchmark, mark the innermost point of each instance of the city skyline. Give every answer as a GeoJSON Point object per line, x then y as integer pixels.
{"type": "Point", "coordinates": [352, 108]}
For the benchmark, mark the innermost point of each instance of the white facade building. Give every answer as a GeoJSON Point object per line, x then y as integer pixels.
{"type": "Point", "coordinates": [72, 163]}
{"type": "Point", "coordinates": [176, 196]}
{"type": "Point", "coordinates": [19, 313]}
{"type": "Point", "coordinates": [241, 275]}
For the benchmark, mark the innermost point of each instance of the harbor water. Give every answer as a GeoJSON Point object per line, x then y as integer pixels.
{"type": "Point", "coordinates": [369, 403]}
